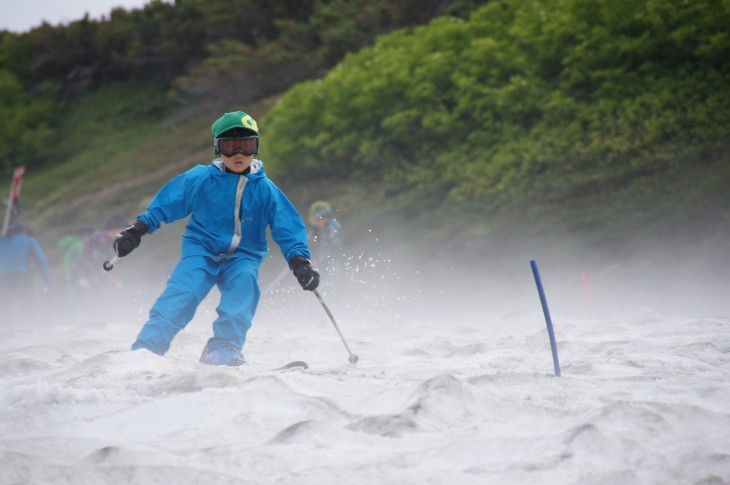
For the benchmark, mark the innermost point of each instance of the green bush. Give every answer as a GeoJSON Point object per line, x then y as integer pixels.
{"type": "Point", "coordinates": [26, 133]}
{"type": "Point", "coordinates": [523, 93]}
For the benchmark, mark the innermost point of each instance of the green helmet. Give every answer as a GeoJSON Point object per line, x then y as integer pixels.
{"type": "Point", "coordinates": [235, 119]}
{"type": "Point", "coordinates": [318, 210]}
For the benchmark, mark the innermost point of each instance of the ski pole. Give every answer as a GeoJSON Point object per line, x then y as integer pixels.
{"type": "Point", "coordinates": [109, 265]}
{"type": "Point", "coordinates": [353, 358]}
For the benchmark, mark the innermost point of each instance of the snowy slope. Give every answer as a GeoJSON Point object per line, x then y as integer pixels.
{"type": "Point", "coordinates": [643, 399]}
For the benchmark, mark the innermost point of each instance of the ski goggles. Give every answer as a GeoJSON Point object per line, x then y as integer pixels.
{"type": "Point", "coordinates": [230, 146]}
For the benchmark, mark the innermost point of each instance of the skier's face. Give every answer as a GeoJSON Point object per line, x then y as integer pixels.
{"type": "Point", "coordinates": [320, 222]}
{"type": "Point", "coordinates": [238, 163]}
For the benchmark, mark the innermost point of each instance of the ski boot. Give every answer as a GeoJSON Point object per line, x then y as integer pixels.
{"type": "Point", "coordinates": [221, 352]}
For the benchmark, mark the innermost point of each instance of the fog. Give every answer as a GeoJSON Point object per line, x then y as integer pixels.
{"type": "Point", "coordinates": [387, 272]}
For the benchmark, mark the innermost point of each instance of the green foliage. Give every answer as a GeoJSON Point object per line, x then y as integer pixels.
{"type": "Point", "coordinates": [158, 42]}
{"type": "Point", "coordinates": [102, 118]}
{"type": "Point", "coordinates": [303, 38]}
{"type": "Point", "coordinates": [580, 104]}
{"type": "Point", "coordinates": [523, 94]}
{"type": "Point", "coordinates": [25, 125]}
{"type": "Point", "coordinates": [221, 51]}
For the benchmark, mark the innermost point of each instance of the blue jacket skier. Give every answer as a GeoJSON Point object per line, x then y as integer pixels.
{"type": "Point", "coordinates": [16, 250]}
{"type": "Point", "coordinates": [16, 279]}
{"type": "Point", "coordinates": [230, 203]}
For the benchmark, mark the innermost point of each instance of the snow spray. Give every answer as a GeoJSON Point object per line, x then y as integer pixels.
{"type": "Point", "coordinates": [548, 321]}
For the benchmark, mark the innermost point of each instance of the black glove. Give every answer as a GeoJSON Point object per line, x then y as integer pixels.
{"type": "Point", "coordinates": [128, 240]}
{"type": "Point", "coordinates": [306, 274]}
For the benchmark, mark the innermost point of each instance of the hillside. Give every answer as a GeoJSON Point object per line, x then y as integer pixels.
{"type": "Point", "coordinates": [470, 138]}
{"type": "Point", "coordinates": [593, 117]}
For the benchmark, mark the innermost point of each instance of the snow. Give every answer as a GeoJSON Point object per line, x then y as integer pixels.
{"type": "Point", "coordinates": [438, 397]}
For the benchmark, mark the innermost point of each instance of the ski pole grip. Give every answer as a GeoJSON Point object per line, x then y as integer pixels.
{"type": "Point", "coordinates": [109, 265]}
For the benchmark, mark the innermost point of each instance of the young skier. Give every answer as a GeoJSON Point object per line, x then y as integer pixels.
{"type": "Point", "coordinates": [230, 203]}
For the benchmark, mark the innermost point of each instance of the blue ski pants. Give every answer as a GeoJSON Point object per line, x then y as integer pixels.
{"type": "Point", "coordinates": [189, 283]}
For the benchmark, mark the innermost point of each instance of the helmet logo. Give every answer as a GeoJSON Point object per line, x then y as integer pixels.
{"type": "Point", "coordinates": [249, 122]}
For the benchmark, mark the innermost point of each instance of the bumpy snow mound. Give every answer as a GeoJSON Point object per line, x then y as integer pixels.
{"type": "Point", "coordinates": [642, 399]}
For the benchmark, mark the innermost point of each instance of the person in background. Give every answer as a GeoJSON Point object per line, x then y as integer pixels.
{"type": "Point", "coordinates": [71, 247]}
{"type": "Point", "coordinates": [326, 235]}
{"type": "Point", "coordinates": [88, 273]}
{"type": "Point", "coordinates": [96, 294]}
{"type": "Point", "coordinates": [17, 282]}
{"type": "Point", "coordinates": [230, 203]}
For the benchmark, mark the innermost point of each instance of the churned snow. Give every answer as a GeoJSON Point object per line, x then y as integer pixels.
{"type": "Point", "coordinates": [438, 397]}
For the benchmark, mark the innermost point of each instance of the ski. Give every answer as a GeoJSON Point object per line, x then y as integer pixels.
{"type": "Point", "coordinates": [297, 364]}
{"type": "Point", "coordinates": [12, 210]}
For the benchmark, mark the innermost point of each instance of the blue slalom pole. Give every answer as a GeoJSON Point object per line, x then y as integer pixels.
{"type": "Point", "coordinates": [548, 320]}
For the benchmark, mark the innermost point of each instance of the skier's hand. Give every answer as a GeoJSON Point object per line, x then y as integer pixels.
{"type": "Point", "coordinates": [306, 274]}
{"type": "Point", "coordinates": [128, 240]}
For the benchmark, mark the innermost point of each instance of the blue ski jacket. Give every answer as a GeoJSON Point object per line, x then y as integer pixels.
{"type": "Point", "coordinates": [15, 252]}
{"type": "Point", "coordinates": [228, 213]}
